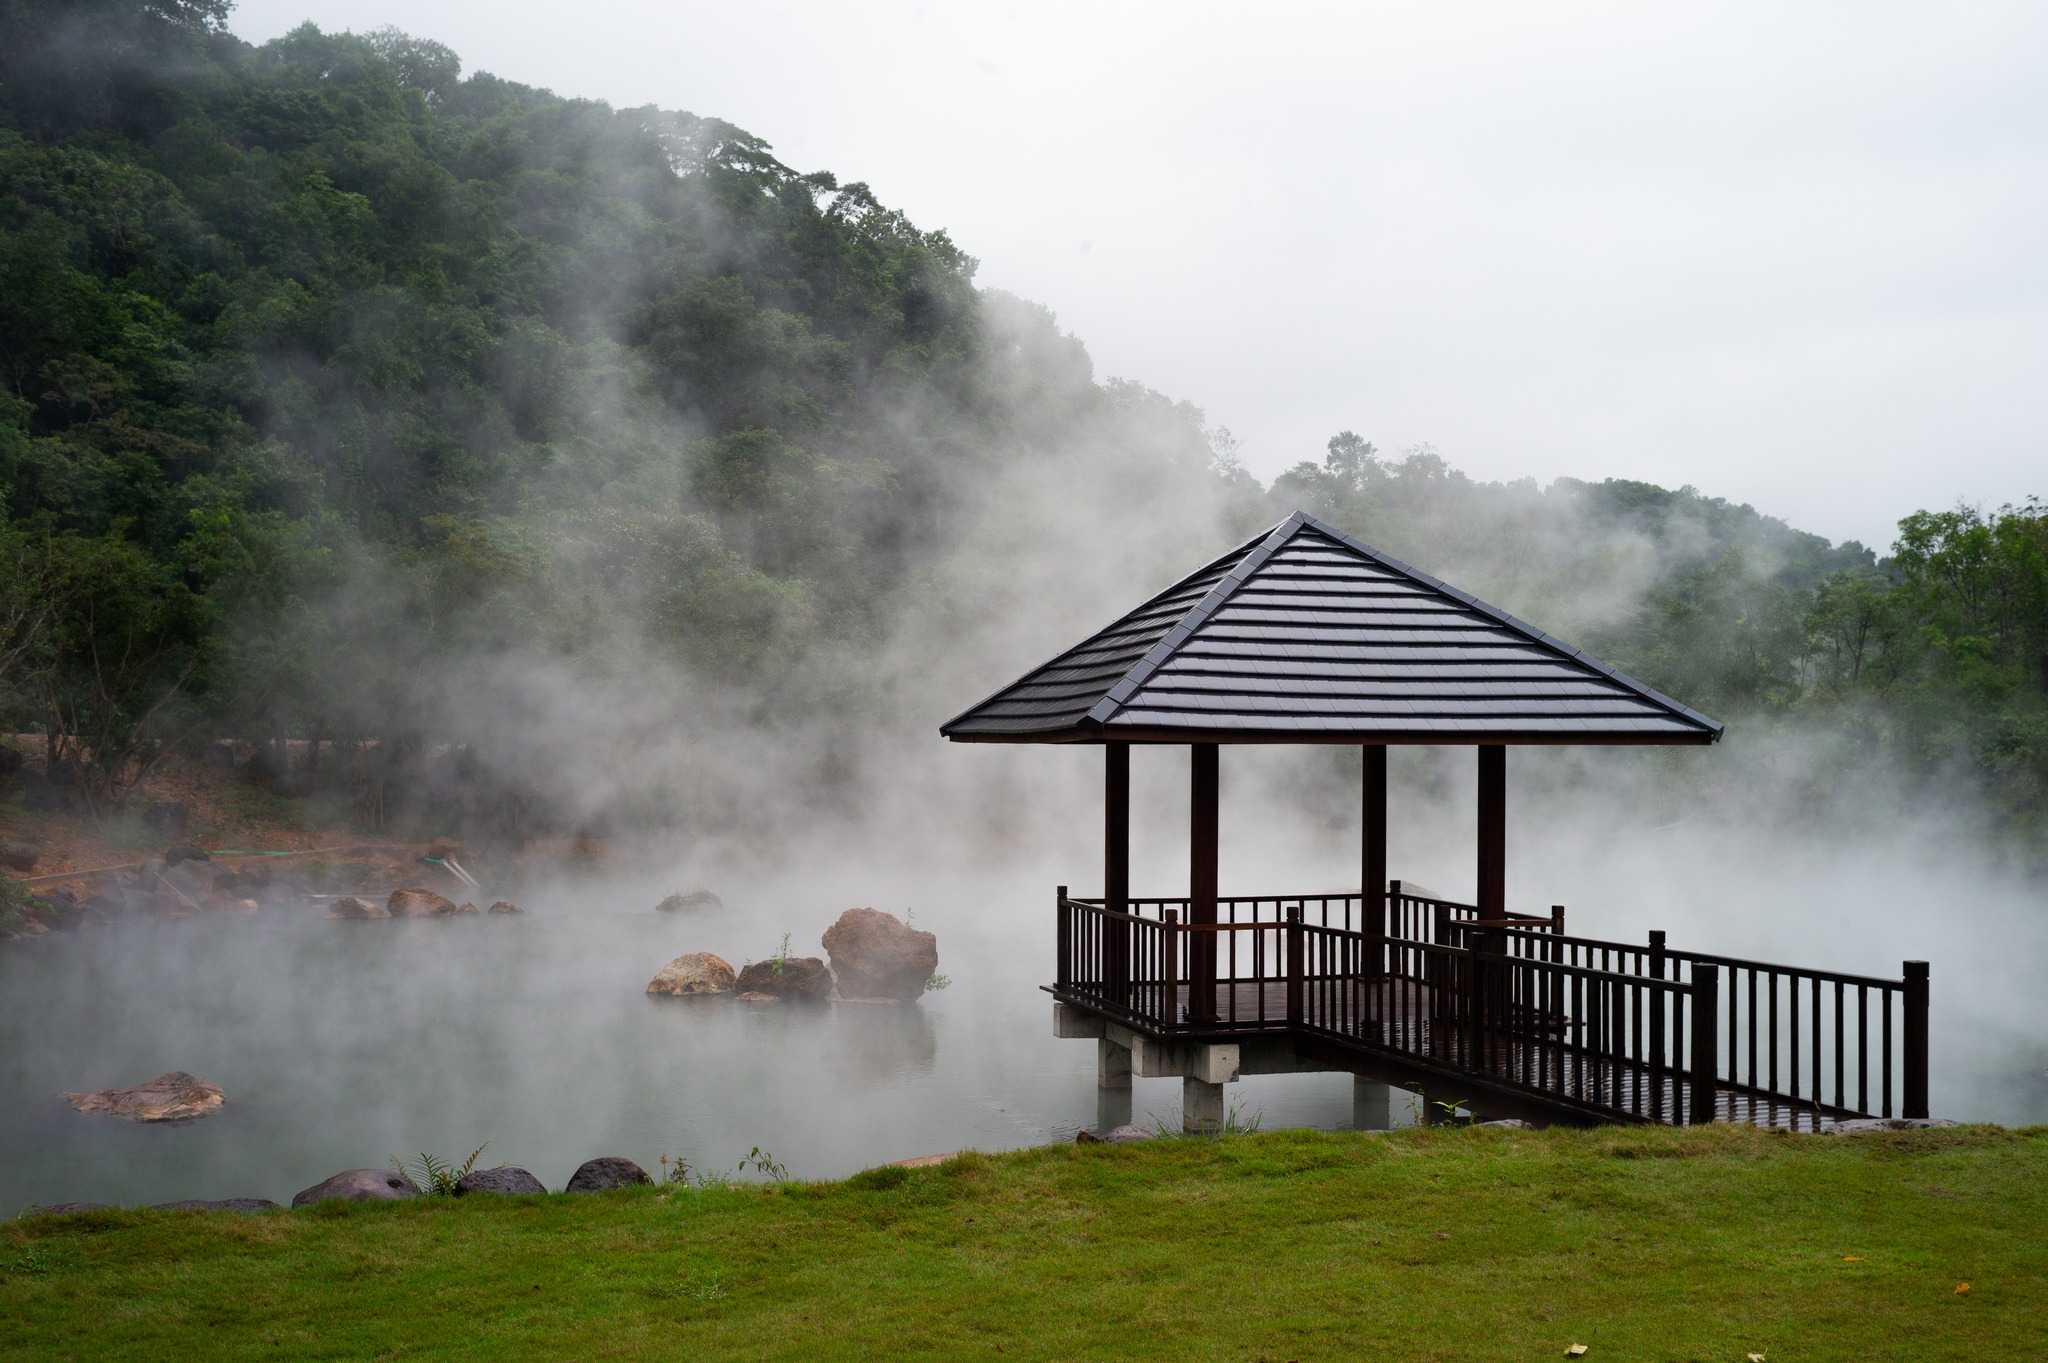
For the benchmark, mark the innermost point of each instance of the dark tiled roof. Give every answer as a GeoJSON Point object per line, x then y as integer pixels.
{"type": "Point", "coordinates": [1307, 635]}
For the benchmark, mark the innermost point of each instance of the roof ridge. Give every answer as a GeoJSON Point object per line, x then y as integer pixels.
{"type": "Point", "coordinates": [1148, 603]}
{"type": "Point", "coordinates": [1184, 629]}
{"type": "Point", "coordinates": [1496, 614]}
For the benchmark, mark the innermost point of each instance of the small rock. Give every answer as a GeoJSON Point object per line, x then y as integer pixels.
{"type": "Point", "coordinates": [65, 1208]}
{"type": "Point", "coordinates": [360, 1185]}
{"type": "Point", "coordinates": [1512, 1124]}
{"type": "Point", "coordinates": [173, 1097]}
{"type": "Point", "coordinates": [502, 1180]}
{"type": "Point", "coordinates": [419, 904]}
{"type": "Point", "coordinates": [695, 899]}
{"type": "Point", "coordinates": [605, 1173]}
{"type": "Point", "coordinates": [444, 849]}
{"type": "Point", "coordinates": [788, 977]}
{"type": "Point", "coordinates": [19, 856]}
{"type": "Point", "coordinates": [348, 906]}
{"type": "Point", "coordinates": [751, 996]}
{"type": "Point", "coordinates": [225, 1204]}
{"type": "Point", "coordinates": [876, 955]}
{"type": "Point", "coordinates": [1864, 1125]}
{"type": "Point", "coordinates": [1116, 1135]}
{"type": "Point", "coordinates": [466, 907]}
{"type": "Point", "coordinates": [183, 852]}
{"type": "Point", "coordinates": [504, 906]}
{"type": "Point", "coordinates": [698, 972]}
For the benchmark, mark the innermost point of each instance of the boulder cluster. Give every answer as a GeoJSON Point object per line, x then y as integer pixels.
{"type": "Point", "coordinates": [875, 958]}
{"type": "Point", "coordinates": [389, 1185]}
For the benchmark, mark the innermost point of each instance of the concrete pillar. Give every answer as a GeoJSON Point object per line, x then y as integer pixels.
{"type": "Point", "coordinates": [1112, 1065]}
{"type": "Point", "coordinates": [1374, 1106]}
{"type": "Point", "coordinates": [1201, 1107]}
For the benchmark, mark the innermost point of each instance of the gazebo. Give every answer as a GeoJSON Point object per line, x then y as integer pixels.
{"type": "Point", "coordinates": [1306, 635]}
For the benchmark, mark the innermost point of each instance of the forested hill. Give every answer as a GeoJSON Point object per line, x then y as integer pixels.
{"type": "Point", "coordinates": [346, 395]}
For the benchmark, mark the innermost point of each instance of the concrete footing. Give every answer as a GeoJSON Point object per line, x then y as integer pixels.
{"type": "Point", "coordinates": [1201, 1107]}
{"type": "Point", "coordinates": [1376, 1106]}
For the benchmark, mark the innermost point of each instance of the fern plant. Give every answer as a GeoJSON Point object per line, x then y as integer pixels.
{"type": "Point", "coordinates": [434, 1177]}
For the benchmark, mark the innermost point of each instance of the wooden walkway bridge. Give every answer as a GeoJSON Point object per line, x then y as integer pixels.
{"type": "Point", "coordinates": [1589, 1029]}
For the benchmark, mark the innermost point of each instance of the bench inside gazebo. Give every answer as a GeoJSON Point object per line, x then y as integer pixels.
{"type": "Point", "coordinates": [1306, 635]}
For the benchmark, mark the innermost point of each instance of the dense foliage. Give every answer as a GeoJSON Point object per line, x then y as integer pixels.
{"type": "Point", "coordinates": [332, 380]}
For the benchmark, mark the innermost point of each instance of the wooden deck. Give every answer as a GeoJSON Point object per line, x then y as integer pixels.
{"type": "Point", "coordinates": [1594, 1030]}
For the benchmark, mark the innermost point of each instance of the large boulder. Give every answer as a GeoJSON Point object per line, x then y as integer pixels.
{"type": "Point", "coordinates": [699, 972]}
{"type": "Point", "coordinates": [225, 1204]}
{"type": "Point", "coordinates": [190, 883]}
{"type": "Point", "coordinates": [788, 977]}
{"type": "Point", "coordinates": [505, 1179]}
{"type": "Point", "coordinates": [66, 1208]}
{"type": "Point", "coordinates": [19, 856]}
{"type": "Point", "coordinates": [360, 1185]}
{"type": "Point", "coordinates": [173, 1097]}
{"type": "Point", "coordinates": [504, 906]}
{"type": "Point", "coordinates": [878, 956]}
{"type": "Point", "coordinates": [349, 906]}
{"type": "Point", "coordinates": [606, 1173]}
{"type": "Point", "coordinates": [419, 904]}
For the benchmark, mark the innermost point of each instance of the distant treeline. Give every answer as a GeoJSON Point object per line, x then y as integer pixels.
{"type": "Point", "coordinates": [324, 365]}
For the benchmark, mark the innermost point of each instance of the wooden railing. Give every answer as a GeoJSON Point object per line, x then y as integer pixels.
{"type": "Point", "coordinates": [1643, 1032]}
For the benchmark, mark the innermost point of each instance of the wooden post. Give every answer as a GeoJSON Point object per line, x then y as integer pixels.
{"type": "Point", "coordinates": [1372, 860]}
{"type": "Point", "coordinates": [1706, 1028]}
{"type": "Point", "coordinates": [1116, 870]}
{"type": "Point", "coordinates": [1202, 830]}
{"type": "Point", "coordinates": [1169, 967]}
{"type": "Point", "coordinates": [1063, 968]}
{"type": "Point", "coordinates": [1493, 830]}
{"type": "Point", "coordinates": [1296, 940]}
{"type": "Point", "coordinates": [1658, 1026]}
{"type": "Point", "coordinates": [1916, 1039]}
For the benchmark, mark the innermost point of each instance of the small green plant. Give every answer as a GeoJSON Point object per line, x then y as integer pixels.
{"type": "Point", "coordinates": [937, 982]}
{"type": "Point", "coordinates": [781, 955]}
{"type": "Point", "coordinates": [1235, 1123]}
{"type": "Point", "coordinates": [34, 1261]}
{"type": "Point", "coordinates": [708, 1290]}
{"type": "Point", "coordinates": [1453, 1112]}
{"type": "Point", "coordinates": [766, 1165]}
{"type": "Point", "coordinates": [437, 1178]}
{"type": "Point", "coordinates": [675, 1171]}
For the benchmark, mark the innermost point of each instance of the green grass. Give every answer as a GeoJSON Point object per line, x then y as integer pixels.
{"type": "Point", "coordinates": [1436, 1244]}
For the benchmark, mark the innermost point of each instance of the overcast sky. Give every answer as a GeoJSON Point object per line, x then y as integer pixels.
{"type": "Point", "coordinates": [1792, 255]}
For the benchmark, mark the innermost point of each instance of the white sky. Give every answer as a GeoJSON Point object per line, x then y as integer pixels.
{"type": "Point", "coordinates": [1791, 254]}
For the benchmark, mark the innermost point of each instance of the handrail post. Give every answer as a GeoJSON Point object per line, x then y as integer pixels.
{"type": "Point", "coordinates": [1475, 1005]}
{"type": "Point", "coordinates": [1916, 1039]}
{"type": "Point", "coordinates": [1656, 953]}
{"type": "Point", "coordinates": [1706, 1026]}
{"type": "Point", "coordinates": [1063, 968]}
{"type": "Point", "coordinates": [1295, 941]}
{"type": "Point", "coordinates": [1557, 920]}
{"type": "Point", "coordinates": [1169, 967]}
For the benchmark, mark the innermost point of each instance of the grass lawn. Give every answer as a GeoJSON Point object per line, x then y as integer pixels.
{"type": "Point", "coordinates": [1721, 1243]}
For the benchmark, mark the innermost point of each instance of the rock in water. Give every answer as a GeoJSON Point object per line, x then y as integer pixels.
{"type": "Point", "coordinates": [605, 1173]}
{"type": "Point", "coordinates": [419, 904]}
{"type": "Point", "coordinates": [788, 977]}
{"type": "Point", "coordinates": [504, 906]}
{"type": "Point", "coordinates": [466, 907]}
{"type": "Point", "coordinates": [66, 1208]}
{"type": "Point", "coordinates": [878, 956]}
{"type": "Point", "coordinates": [225, 1204]}
{"type": "Point", "coordinates": [444, 849]}
{"type": "Point", "coordinates": [351, 907]}
{"type": "Point", "coordinates": [173, 1097]}
{"type": "Point", "coordinates": [753, 996]}
{"type": "Point", "coordinates": [360, 1185]}
{"type": "Point", "coordinates": [19, 856]}
{"type": "Point", "coordinates": [502, 1180]}
{"type": "Point", "coordinates": [699, 972]}
{"type": "Point", "coordinates": [695, 899]}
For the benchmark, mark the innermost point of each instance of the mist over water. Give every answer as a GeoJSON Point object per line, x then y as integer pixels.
{"type": "Point", "coordinates": [342, 1044]}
